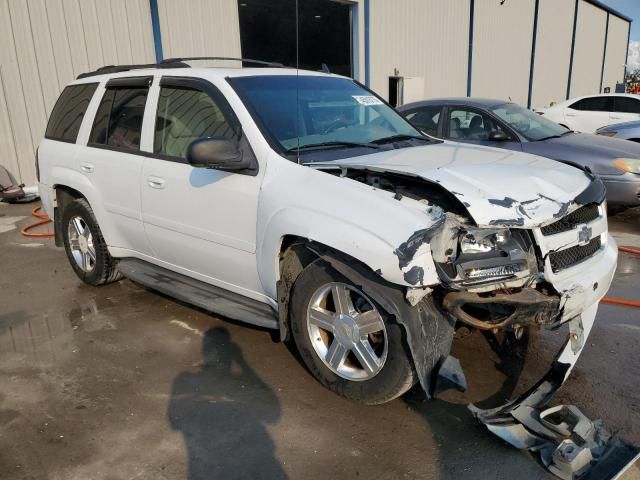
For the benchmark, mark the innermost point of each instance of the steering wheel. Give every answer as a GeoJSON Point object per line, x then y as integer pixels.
{"type": "Point", "coordinates": [336, 125]}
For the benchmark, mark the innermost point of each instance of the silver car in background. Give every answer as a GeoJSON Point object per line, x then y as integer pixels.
{"type": "Point", "coordinates": [624, 131]}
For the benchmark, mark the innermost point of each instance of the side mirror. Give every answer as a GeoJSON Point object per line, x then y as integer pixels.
{"type": "Point", "coordinates": [498, 136]}
{"type": "Point", "coordinates": [216, 152]}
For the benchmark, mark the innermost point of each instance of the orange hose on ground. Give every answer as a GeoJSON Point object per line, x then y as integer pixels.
{"type": "Point", "coordinates": [623, 301]}
{"type": "Point", "coordinates": [44, 220]}
{"type": "Point", "coordinates": [631, 250]}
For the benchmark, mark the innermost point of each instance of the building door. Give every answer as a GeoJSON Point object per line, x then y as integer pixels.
{"type": "Point", "coordinates": [268, 32]}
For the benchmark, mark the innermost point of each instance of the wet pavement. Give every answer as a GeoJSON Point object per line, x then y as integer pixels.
{"type": "Point", "coordinates": [120, 383]}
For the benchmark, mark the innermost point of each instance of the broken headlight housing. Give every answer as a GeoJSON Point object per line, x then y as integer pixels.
{"type": "Point", "coordinates": [489, 256]}
{"type": "Point", "coordinates": [483, 241]}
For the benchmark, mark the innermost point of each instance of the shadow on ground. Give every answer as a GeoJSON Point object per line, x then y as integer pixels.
{"type": "Point", "coordinates": [222, 409]}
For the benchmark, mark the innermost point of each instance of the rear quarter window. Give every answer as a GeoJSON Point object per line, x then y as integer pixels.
{"type": "Point", "coordinates": [66, 117]}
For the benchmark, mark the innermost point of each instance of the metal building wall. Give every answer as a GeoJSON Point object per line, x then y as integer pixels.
{"type": "Point", "coordinates": [553, 51]}
{"type": "Point", "coordinates": [588, 50]}
{"type": "Point", "coordinates": [204, 27]}
{"type": "Point", "coordinates": [44, 44]}
{"type": "Point", "coordinates": [616, 54]}
{"type": "Point", "coordinates": [502, 49]}
{"type": "Point", "coordinates": [428, 39]}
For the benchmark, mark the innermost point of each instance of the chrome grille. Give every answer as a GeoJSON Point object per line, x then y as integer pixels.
{"type": "Point", "coordinates": [585, 214]}
{"type": "Point", "coordinates": [574, 255]}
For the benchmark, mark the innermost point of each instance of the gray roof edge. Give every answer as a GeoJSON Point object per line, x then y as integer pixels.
{"type": "Point", "coordinates": [612, 11]}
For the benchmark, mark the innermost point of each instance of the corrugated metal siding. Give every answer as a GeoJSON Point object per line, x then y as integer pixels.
{"type": "Point", "coordinates": [502, 49]}
{"type": "Point", "coordinates": [553, 50]}
{"type": "Point", "coordinates": [587, 57]}
{"type": "Point", "coordinates": [616, 52]}
{"type": "Point", "coordinates": [421, 38]}
{"type": "Point", "coordinates": [204, 27]}
{"type": "Point", "coordinates": [44, 44]}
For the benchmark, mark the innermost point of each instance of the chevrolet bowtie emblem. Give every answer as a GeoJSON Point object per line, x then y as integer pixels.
{"type": "Point", "coordinates": [584, 235]}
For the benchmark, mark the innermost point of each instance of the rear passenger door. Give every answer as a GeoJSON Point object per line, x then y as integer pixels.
{"type": "Point", "coordinates": [112, 164]}
{"type": "Point", "coordinates": [200, 222]}
{"type": "Point", "coordinates": [625, 109]}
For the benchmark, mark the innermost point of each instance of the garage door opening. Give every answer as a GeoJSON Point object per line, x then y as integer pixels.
{"type": "Point", "coordinates": [268, 32]}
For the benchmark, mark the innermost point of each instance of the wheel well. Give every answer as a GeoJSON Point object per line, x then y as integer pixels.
{"type": "Point", "coordinates": [64, 196]}
{"type": "Point", "coordinates": [296, 253]}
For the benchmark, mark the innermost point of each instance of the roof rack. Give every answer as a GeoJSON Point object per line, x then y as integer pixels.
{"type": "Point", "coordinates": [172, 63]}
{"type": "Point", "coordinates": [125, 68]}
{"type": "Point", "coordinates": [244, 60]}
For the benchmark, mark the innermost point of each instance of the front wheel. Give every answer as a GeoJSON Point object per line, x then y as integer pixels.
{"type": "Point", "coordinates": [346, 340]}
{"type": "Point", "coordinates": [86, 249]}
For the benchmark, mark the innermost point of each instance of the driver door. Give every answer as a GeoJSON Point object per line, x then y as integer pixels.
{"type": "Point", "coordinates": [200, 222]}
{"type": "Point", "coordinates": [471, 125]}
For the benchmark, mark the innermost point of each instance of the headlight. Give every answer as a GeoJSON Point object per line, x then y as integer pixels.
{"type": "Point", "coordinates": [631, 165]}
{"type": "Point", "coordinates": [482, 240]}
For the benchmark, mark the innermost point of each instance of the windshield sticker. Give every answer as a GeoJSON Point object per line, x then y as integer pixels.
{"type": "Point", "coordinates": [367, 100]}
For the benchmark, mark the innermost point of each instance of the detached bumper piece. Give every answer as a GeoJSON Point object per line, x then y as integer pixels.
{"type": "Point", "coordinates": [569, 445]}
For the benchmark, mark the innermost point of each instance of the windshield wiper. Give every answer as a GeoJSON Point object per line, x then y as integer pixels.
{"type": "Point", "coordinates": [400, 137]}
{"type": "Point", "coordinates": [333, 144]}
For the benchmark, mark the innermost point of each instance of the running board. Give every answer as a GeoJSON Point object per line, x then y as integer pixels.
{"type": "Point", "coordinates": [206, 296]}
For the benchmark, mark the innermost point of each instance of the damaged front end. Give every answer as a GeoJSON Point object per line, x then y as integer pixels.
{"type": "Point", "coordinates": [506, 279]}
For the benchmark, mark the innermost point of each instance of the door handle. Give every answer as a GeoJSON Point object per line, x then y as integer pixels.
{"type": "Point", "coordinates": [156, 182]}
{"type": "Point", "coordinates": [86, 167]}
{"type": "Point", "coordinates": [569, 114]}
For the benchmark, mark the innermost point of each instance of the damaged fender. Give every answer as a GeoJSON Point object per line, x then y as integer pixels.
{"type": "Point", "coordinates": [429, 331]}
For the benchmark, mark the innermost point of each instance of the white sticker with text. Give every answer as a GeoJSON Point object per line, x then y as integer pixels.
{"type": "Point", "coordinates": [367, 100]}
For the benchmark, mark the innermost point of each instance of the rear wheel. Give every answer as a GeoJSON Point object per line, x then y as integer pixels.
{"type": "Point", "coordinates": [86, 249]}
{"type": "Point", "coordinates": [346, 340]}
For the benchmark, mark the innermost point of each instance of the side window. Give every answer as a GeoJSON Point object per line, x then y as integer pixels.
{"type": "Point", "coordinates": [470, 124]}
{"type": "Point", "coordinates": [626, 105]}
{"type": "Point", "coordinates": [66, 117]}
{"type": "Point", "coordinates": [184, 115]}
{"type": "Point", "coordinates": [594, 104]}
{"type": "Point", "coordinates": [118, 121]}
{"type": "Point", "coordinates": [425, 119]}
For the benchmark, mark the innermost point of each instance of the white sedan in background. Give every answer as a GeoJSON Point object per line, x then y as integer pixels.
{"type": "Point", "coordinates": [591, 112]}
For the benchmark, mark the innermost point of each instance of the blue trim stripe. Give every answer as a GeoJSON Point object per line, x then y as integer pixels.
{"type": "Point", "coordinates": [573, 47]}
{"type": "Point", "coordinates": [533, 52]}
{"type": "Point", "coordinates": [470, 54]}
{"type": "Point", "coordinates": [367, 58]}
{"type": "Point", "coordinates": [155, 24]}
{"type": "Point", "coordinates": [604, 52]}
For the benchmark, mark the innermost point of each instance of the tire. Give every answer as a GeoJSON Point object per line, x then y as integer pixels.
{"type": "Point", "coordinates": [396, 374]}
{"type": "Point", "coordinates": [99, 270]}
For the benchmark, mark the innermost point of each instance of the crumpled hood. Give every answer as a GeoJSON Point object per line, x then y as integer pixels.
{"type": "Point", "coordinates": [498, 187]}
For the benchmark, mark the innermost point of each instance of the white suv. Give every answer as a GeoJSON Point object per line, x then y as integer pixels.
{"type": "Point", "coordinates": [300, 201]}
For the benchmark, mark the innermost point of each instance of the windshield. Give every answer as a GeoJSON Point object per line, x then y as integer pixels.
{"type": "Point", "coordinates": [529, 124]}
{"type": "Point", "coordinates": [321, 113]}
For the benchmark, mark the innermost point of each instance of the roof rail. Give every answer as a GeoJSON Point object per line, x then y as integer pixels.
{"type": "Point", "coordinates": [244, 60]}
{"type": "Point", "coordinates": [125, 68]}
{"type": "Point", "coordinates": [172, 63]}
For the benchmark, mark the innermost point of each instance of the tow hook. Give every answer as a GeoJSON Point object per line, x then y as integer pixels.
{"type": "Point", "coordinates": [569, 445]}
